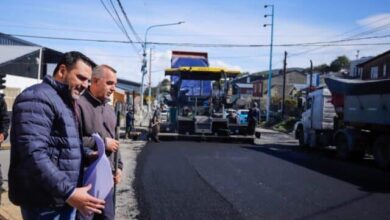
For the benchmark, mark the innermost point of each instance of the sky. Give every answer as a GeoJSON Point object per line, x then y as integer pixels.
{"type": "Point", "coordinates": [222, 25]}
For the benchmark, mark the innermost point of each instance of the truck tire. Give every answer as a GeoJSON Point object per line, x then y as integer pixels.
{"type": "Point", "coordinates": [343, 150]}
{"type": "Point", "coordinates": [301, 138]}
{"type": "Point", "coordinates": [381, 151]}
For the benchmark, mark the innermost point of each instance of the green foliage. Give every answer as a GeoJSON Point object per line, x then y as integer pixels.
{"type": "Point", "coordinates": [286, 126]}
{"type": "Point", "coordinates": [339, 63]}
{"type": "Point", "coordinates": [165, 82]}
{"type": "Point", "coordinates": [323, 68]}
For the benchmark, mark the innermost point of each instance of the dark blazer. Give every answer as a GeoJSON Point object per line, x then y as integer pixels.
{"type": "Point", "coordinates": [96, 117]}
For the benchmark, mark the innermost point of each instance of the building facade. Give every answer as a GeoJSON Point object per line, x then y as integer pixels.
{"type": "Point", "coordinates": [376, 67]}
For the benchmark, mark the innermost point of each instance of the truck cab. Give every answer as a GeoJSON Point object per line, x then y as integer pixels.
{"type": "Point", "coordinates": [317, 122]}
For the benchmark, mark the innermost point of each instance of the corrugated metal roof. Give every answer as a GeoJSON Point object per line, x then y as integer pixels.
{"type": "Point", "coordinates": [6, 39]}
{"type": "Point", "coordinates": [10, 52]}
{"type": "Point", "coordinates": [128, 85]}
{"type": "Point", "coordinates": [244, 85]}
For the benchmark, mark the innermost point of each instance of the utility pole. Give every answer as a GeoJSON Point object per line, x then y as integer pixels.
{"type": "Point", "coordinates": [284, 82]}
{"type": "Point", "coordinates": [132, 124]}
{"type": "Point", "coordinates": [311, 74]}
{"type": "Point", "coordinates": [150, 80]}
{"type": "Point", "coordinates": [144, 62]}
{"type": "Point", "coordinates": [270, 59]}
{"type": "Point", "coordinates": [40, 65]}
{"type": "Point", "coordinates": [310, 80]}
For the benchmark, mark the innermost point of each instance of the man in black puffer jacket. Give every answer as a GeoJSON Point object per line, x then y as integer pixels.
{"type": "Point", "coordinates": [46, 151]}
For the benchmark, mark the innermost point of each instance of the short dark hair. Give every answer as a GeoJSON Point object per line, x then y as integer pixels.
{"type": "Point", "coordinates": [70, 58]}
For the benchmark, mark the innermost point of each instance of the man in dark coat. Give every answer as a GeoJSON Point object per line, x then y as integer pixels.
{"type": "Point", "coordinates": [129, 122]}
{"type": "Point", "coordinates": [96, 115]}
{"type": "Point", "coordinates": [253, 119]}
{"type": "Point", "coordinates": [4, 125]}
{"type": "Point", "coordinates": [46, 152]}
{"type": "Point", "coordinates": [155, 124]}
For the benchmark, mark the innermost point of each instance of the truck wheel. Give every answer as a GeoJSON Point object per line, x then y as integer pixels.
{"type": "Point", "coordinates": [342, 147]}
{"type": "Point", "coordinates": [301, 138]}
{"type": "Point", "coordinates": [358, 155]}
{"type": "Point", "coordinates": [382, 152]}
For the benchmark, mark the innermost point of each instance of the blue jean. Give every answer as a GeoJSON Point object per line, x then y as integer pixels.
{"type": "Point", "coordinates": [64, 213]}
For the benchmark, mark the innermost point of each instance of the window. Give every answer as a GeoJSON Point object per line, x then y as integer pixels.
{"type": "Point", "coordinates": [360, 71]}
{"type": "Point", "coordinates": [384, 71]}
{"type": "Point", "coordinates": [374, 72]}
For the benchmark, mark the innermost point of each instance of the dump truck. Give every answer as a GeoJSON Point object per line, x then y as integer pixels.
{"type": "Point", "coordinates": [351, 114]}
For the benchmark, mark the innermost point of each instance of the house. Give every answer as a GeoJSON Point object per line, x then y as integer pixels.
{"type": "Point", "coordinates": [353, 71]}
{"type": "Point", "coordinates": [24, 64]}
{"type": "Point", "coordinates": [258, 88]}
{"type": "Point", "coordinates": [293, 76]}
{"type": "Point", "coordinates": [243, 89]}
{"type": "Point", "coordinates": [125, 89]}
{"type": "Point", "coordinates": [376, 67]}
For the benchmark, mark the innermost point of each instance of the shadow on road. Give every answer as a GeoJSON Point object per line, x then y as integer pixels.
{"type": "Point", "coordinates": [363, 174]}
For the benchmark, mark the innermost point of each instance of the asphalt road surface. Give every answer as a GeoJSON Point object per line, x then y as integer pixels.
{"type": "Point", "coordinates": [274, 180]}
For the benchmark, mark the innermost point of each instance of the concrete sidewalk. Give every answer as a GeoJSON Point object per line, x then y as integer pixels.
{"type": "Point", "coordinates": [126, 206]}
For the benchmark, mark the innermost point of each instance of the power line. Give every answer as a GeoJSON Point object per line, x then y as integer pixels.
{"type": "Point", "coordinates": [120, 25]}
{"type": "Point", "coordinates": [116, 22]}
{"type": "Point", "coordinates": [370, 31]}
{"type": "Point", "coordinates": [128, 21]}
{"type": "Point", "coordinates": [120, 21]}
{"type": "Point", "coordinates": [360, 27]}
{"type": "Point", "coordinates": [324, 43]}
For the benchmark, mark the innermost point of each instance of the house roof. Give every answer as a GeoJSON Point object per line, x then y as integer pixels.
{"type": "Point", "coordinates": [264, 74]}
{"type": "Point", "coordinates": [374, 58]}
{"type": "Point", "coordinates": [128, 85]}
{"type": "Point", "coordinates": [244, 85]}
{"type": "Point", "coordinates": [6, 39]}
{"type": "Point", "coordinates": [10, 52]}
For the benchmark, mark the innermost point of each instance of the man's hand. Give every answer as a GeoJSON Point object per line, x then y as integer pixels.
{"type": "Point", "coordinates": [118, 176]}
{"type": "Point", "coordinates": [85, 203]}
{"type": "Point", "coordinates": [92, 156]}
{"type": "Point", "coordinates": [1, 138]}
{"type": "Point", "coordinates": [112, 145]}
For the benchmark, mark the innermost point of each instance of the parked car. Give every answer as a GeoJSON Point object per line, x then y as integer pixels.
{"type": "Point", "coordinates": [242, 118]}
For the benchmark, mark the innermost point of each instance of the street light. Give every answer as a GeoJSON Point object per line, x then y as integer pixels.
{"type": "Point", "coordinates": [144, 61]}
{"type": "Point", "coordinates": [270, 58]}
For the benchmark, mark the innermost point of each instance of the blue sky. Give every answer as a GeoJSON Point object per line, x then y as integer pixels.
{"type": "Point", "coordinates": [206, 22]}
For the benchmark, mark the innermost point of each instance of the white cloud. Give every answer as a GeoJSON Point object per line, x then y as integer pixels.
{"type": "Point", "coordinates": [204, 24]}
{"type": "Point", "coordinates": [375, 21]}
{"type": "Point", "coordinates": [223, 64]}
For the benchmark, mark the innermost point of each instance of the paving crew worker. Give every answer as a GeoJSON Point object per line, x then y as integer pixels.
{"type": "Point", "coordinates": [155, 123]}
{"type": "Point", "coordinates": [253, 119]}
{"type": "Point", "coordinates": [97, 116]}
{"type": "Point", "coordinates": [46, 153]}
{"type": "Point", "coordinates": [4, 125]}
{"type": "Point", "coordinates": [129, 122]}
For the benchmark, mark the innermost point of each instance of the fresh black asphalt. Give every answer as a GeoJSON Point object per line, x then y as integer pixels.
{"type": "Point", "coordinates": [200, 180]}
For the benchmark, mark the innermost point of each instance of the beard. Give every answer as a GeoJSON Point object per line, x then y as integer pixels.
{"type": "Point", "coordinates": [76, 92]}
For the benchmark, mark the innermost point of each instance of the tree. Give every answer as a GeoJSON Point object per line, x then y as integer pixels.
{"type": "Point", "coordinates": [165, 86]}
{"type": "Point", "coordinates": [165, 82]}
{"type": "Point", "coordinates": [323, 68]}
{"type": "Point", "coordinates": [339, 63]}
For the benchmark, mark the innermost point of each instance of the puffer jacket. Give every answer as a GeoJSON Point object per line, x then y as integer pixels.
{"type": "Point", "coordinates": [46, 148]}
